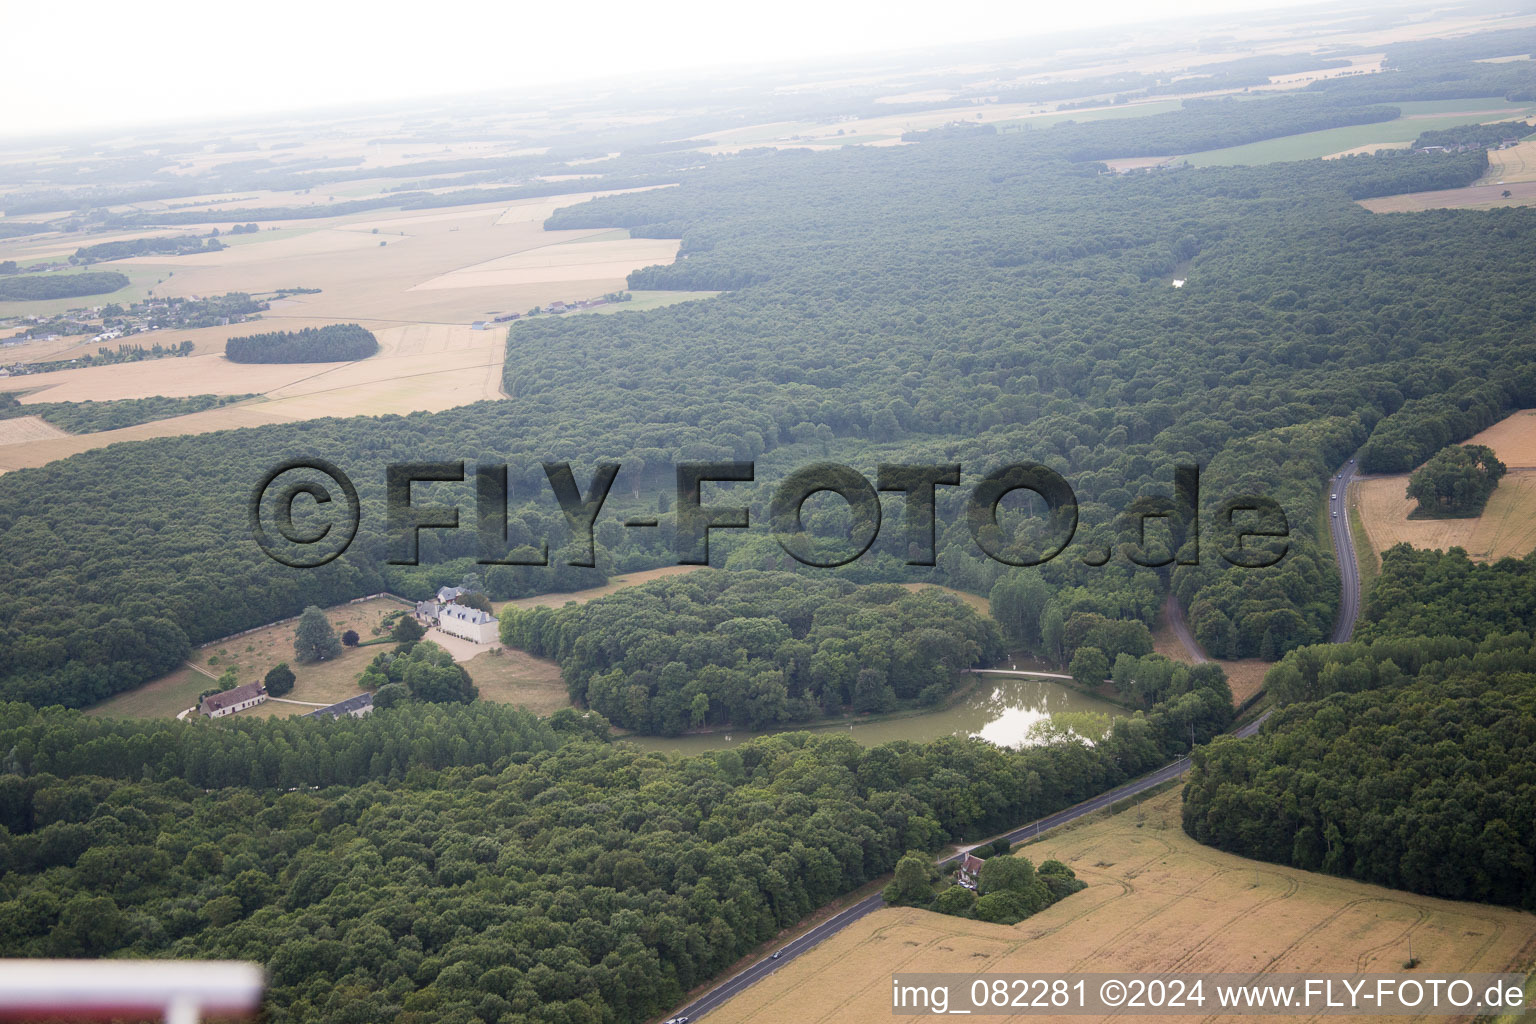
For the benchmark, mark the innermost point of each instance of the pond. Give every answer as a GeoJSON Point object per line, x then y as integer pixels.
{"type": "Point", "coordinates": [1005, 710]}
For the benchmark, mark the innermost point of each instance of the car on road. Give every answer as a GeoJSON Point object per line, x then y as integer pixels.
{"type": "Point", "coordinates": [1333, 497]}
{"type": "Point", "coordinates": [776, 954]}
{"type": "Point", "coordinates": [1335, 515]}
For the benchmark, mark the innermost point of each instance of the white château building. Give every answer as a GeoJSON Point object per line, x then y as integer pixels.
{"type": "Point", "coordinates": [470, 624]}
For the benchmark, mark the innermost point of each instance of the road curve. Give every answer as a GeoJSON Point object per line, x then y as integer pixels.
{"type": "Point", "coordinates": [842, 919]}
{"type": "Point", "coordinates": [1344, 552]}
{"type": "Point", "coordinates": [1173, 614]}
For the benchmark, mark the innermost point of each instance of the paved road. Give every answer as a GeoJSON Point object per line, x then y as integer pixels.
{"type": "Point", "coordinates": [1344, 551]}
{"type": "Point", "coordinates": [831, 926]}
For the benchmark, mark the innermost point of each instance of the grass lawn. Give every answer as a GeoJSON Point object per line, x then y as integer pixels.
{"type": "Point", "coordinates": [165, 697]}
{"type": "Point", "coordinates": [509, 676]}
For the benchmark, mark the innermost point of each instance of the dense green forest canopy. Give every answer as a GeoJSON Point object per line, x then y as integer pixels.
{"type": "Point", "coordinates": [333, 343]}
{"type": "Point", "coordinates": [464, 863]}
{"type": "Point", "coordinates": [61, 286]}
{"type": "Point", "coordinates": [755, 650]}
{"type": "Point", "coordinates": [1406, 758]}
{"type": "Point", "coordinates": [978, 301]}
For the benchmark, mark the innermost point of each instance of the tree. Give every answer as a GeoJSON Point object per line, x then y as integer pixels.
{"type": "Point", "coordinates": [349, 638]}
{"type": "Point", "coordinates": [1006, 874]}
{"type": "Point", "coordinates": [407, 630]}
{"type": "Point", "coordinates": [913, 882]}
{"type": "Point", "coordinates": [957, 901]}
{"type": "Point", "coordinates": [279, 680]}
{"type": "Point", "coordinates": [1090, 666]}
{"type": "Point", "coordinates": [314, 639]}
{"type": "Point", "coordinates": [432, 675]}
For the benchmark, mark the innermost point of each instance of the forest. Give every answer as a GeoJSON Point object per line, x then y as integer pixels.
{"type": "Point", "coordinates": [755, 650]}
{"type": "Point", "coordinates": [1405, 758]}
{"type": "Point", "coordinates": [469, 862]}
{"type": "Point", "coordinates": [88, 417]}
{"type": "Point", "coordinates": [60, 286]}
{"type": "Point", "coordinates": [1047, 331]}
{"type": "Point", "coordinates": [333, 343]}
{"type": "Point", "coordinates": [1474, 134]}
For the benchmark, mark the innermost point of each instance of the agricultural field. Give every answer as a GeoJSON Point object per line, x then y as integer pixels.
{"type": "Point", "coordinates": [1473, 197]}
{"type": "Point", "coordinates": [27, 430]}
{"type": "Point", "coordinates": [418, 293]}
{"type": "Point", "coordinates": [1416, 119]}
{"type": "Point", "coordinates": [1518, 163]}
{"type": "Point", "coordinates": [1507, 526]}
{"type": "Point", "coordinates": [1156, 902]}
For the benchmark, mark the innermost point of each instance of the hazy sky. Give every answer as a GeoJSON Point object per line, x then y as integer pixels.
{"type": "Point", "coordinates": [89, 63]}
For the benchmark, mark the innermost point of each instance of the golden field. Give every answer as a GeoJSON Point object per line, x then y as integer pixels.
{"type": "Point", "coordinates": [1507, 526]}
{"type": "Point", "coordinates": [417, 280]}
{"type": "Point", "coordinates": [1156, 902]}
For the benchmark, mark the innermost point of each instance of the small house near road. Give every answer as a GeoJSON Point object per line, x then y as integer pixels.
{"type": "Point", "coordinates": [970, 870]}
{"type": "Point", "coordinates": [246, 695]}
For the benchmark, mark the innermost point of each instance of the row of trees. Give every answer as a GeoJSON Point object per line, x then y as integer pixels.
{"type": "Point", "coordinates": [88, 417]}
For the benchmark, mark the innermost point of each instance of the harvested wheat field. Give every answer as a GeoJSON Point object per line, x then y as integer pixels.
{"type": "Point", "coordinates": [1156, 901]}
{"type": "Point", "coordinates": [1516, 164]}
{"type": "Point", "coordinates": [369, 265]}
{"type": "Point", "coordinates": [1472, 197]}
{"type": "Point", "coordinates": [1513, 439]}
{"type": "Point", "coordinates": [1507, 526]}
{"type": "Point", "coordinates": [27, 429]}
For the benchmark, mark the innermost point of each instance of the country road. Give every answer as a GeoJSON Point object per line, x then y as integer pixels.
{"type": "Point", "coordinates": [1344, 552]}
{"type": "Point", "coordinates": [1173, 614]}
